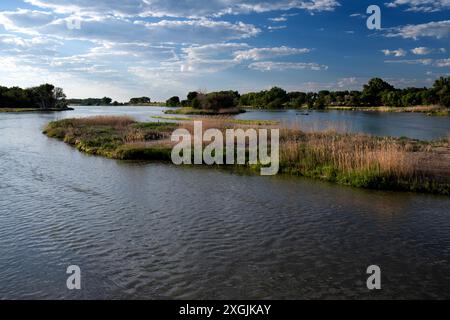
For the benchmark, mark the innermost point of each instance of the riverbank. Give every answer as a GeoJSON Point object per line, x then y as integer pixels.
{"type": "Point", "coordinates": [11, 110]}
{"type": "Point", "coordinates": [356, 160]}
{"type": "Point", "coordinates": [205, 112]}
{"type": "Point", "coordinates": [228, 120]}
{"type": "Point", "coordinates": [429, 110]}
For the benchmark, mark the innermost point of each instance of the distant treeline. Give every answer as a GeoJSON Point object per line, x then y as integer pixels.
{"type": "Point", "coordinates": [376, 93]}
{"type": "Point", "coordinates": [106, 101]}
{"type": "Point", "coordinates": [43, 97]}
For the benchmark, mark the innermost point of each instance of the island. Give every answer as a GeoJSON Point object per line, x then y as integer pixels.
{"type": "Point", "coordinates": [214, 103]}
{"type": "Point", "coordinates": [357, 160]}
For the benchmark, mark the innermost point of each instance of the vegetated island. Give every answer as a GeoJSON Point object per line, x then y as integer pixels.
{"type": "Point", "coordinates": [357, 160]}
{"type": "Point", "coordinates": [214, 103]}
{"type": "Point", "coordinates": [43, 98]}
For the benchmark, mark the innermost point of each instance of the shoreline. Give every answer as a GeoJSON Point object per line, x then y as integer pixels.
{"type": "Point", "coordinates": [205, 112]}
{"type": "Point", "coordinates": [32, 110]}
{"type": "Point", "coordinates": [357, 160]}
{"type": "Point", "coordinates": [429, 110]}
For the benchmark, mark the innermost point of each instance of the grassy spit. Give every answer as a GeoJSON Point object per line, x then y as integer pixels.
{"type": "Point", "coordinates": [350, 159]}
{"type": "Point", "coordinates": [193, 111]}
{"type": "Point", "coordinates": [227, 120]}
{"type": "Point", "coordinates": [429, 110]}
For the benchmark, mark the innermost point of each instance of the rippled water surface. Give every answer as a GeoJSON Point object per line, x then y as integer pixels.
{"type": "Point", "coordinates": [146, 230]}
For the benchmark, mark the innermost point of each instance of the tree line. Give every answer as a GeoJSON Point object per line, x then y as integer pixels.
{"type": "Point", "coordinates": [107, 101]}
{"type": "Point", "coordinates": [376, 92]}
{"type": "Point", "coordinates": [43, 97]}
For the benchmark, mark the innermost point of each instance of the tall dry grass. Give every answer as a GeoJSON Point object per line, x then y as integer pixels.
{"type": "Point", "coordinates": [113, 121]}
{"type": "Point", "coordinates": [347, 153]}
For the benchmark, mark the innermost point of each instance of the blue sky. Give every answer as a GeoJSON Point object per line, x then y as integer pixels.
{"type": "Point", "coordinates": [160, 48]}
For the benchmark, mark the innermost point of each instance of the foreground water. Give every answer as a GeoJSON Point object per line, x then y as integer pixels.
{"type": "Point", "coordinates": [142, 230]}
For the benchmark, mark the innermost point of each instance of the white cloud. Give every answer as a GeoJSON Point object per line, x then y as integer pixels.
{"type": "Point", "coordinates": [443, 63]}
{"type": "Point", "coordinates": [358, 15]}
{"type": "Point", "coordinates": [24, 20]}
{"type": "Point", "coordinates": [115, 29]}
{"type": "Point", "coordinates": [278, 19]}
{"type": "Point", "coordinates": [412, 61]}
{"type": "Point", "coordinates": [283, 66]}
{"type": "Point", "coordinates": [440, 63]}
{"type": "Point", "coordinates": [180, 8]}
{"type": "Point", "coordinates": [421, 5]}
{"type": "Point", "coordinates": [264, 53]}
{"type": "Point", "coordinates": [422, 51]}
{"type": "Point", "coordinates": [221, 56]}
{"type": "Point", "coordinates": [122, 46]}
{"type": "Point", "coordinates": [396, 53]}
{"type": "Point", "coordinates": [272, 28]}
{"type": "Point", "coordinates": [435, 29]}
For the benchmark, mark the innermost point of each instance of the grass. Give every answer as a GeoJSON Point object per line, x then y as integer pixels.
{"type": "Point", "coordinates": [365, 161]}
{"type": "Point", "coordinates": [114, 137]}
{"type": "Point", "coordinates": [225, 119]}
{"type": "Point", "coordinates": [356, 160]}
{"type": "Point", "coordinates": [193, 111]}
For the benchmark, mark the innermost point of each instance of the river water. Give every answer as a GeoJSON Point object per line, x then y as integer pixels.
{"type": "Point", "coordinates": [156, 231]}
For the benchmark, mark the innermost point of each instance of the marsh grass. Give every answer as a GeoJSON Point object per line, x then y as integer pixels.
{"type": "Point", "coordinates": [351, 159]}
{"type": "Point", "coordinates": [433, 110]}
{"type": "Point", "coordinates": [193, 111]}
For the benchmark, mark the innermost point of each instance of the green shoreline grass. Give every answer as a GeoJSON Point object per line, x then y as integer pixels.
{"type": "Point", "coordinates": [347, 159]}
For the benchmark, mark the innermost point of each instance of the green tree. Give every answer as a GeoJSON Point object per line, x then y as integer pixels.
{"type": "Point", "coordinates": [442, 90]}
{"type": "Point", "coordinates": [141, 100]}
{"type": "Point", "coordinates": [373, 91]}
{"type": "Point", "coordinates": [106, 101]}
{"type": "Point", "coordinates": [173, 102]}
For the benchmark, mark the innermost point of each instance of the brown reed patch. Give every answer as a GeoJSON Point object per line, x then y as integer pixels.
{"type": "Point", "coordinates": [114, 121]}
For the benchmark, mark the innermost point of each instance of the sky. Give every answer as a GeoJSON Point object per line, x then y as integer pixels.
{"type": "Point", "coordinates": [161, 48]}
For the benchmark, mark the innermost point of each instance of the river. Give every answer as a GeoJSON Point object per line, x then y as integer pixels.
{"type": "Point", "coordinates": [156, 231]}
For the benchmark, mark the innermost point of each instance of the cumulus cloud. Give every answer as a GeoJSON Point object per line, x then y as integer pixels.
{"type": "Point", "coordinates": [395, 53]}
{"type": "Point", "coordinates": [435, 29]}
{"type": "Point", "coordinates": [421, 5]}
{"type": "Point", "coordinates": [422, 51]}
